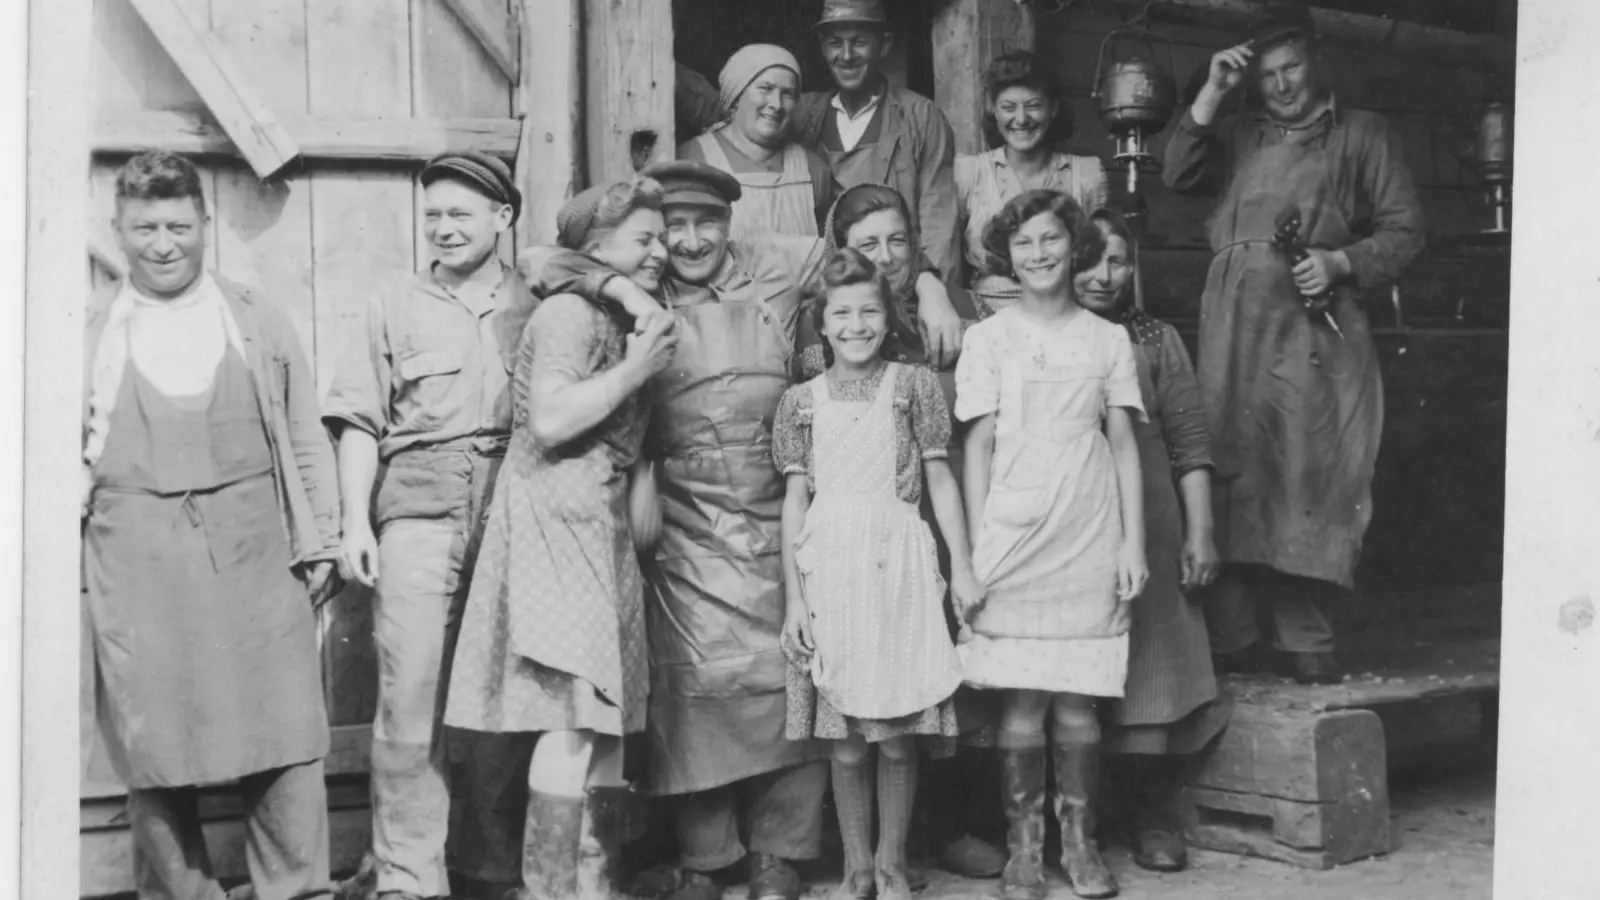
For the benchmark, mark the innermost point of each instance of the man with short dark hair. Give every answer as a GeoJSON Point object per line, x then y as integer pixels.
{"type": "Point", "coordinates": [1288, 368]}
{"type": "Point", "coordinates": [211, 524]}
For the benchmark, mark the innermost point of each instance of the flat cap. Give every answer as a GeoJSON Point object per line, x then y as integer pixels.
{"type": "Point", "coordinates": [1281, 20]}
{"type": "Point", "coordinates": [687, 182]}
{"type": "Point", "coordinates": [483, 173]}
{"type": "Point", "coordinates": [864, 12]}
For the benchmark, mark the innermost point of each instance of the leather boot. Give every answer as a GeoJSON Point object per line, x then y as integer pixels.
{"type": "Point", "coordinates": [1157, 835]}
{"type": "Point", "coordinates": [1077, 776]}
{"type": "Point", "coordinates": [550, 847]}
{"type": "Point", "coordinates": [605, 830]}
{"type": "Point", "coordinates": [1023, 774]}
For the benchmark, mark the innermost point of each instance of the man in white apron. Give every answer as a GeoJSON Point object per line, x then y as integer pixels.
{"type": "Point", "coordinates": [211, 525]}
{"type": "Point", "coordinates": [1295, 404]}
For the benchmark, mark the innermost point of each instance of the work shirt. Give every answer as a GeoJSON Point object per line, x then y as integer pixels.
{"type": "Point", "coordinates": [906, 144]}
{"type": "Point", "coordinates": [431, 366]}
{"type": "Point", "coordinates": [852, 127]}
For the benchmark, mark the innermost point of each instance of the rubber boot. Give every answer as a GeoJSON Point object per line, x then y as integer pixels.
{"type": "Point", "coordinates": [550, 843]}
{"type": "Point", "coordinates": [1023, 776]}
{"type": "Point", "coordinates": [1077, 775]}
{"type": "Point", "coordinates": [1157, 833]}
{"type": "Point", "coordinates": [605, 830]}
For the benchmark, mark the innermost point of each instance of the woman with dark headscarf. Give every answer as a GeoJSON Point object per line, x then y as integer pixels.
{"type": "Point", "coordinates": [1025, 123]}
{"type": "Point", "coordinates": [553, 637]}
{"type": "Point", "coordinates": [1170, 708]}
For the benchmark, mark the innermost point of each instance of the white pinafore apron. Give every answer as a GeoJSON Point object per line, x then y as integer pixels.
{"type": "Point", "coordinates": [869, 568]}
{"type": "Point", "coordinates": [769, 202]}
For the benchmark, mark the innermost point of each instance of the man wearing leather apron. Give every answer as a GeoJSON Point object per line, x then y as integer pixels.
{"type": "Point", "coordinates": [1288, 368]}
{"type": "Point", "coordinates": [715, 598]}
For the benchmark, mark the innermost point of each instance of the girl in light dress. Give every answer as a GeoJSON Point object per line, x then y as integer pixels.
{"type": "Point", "coordinates": [1053, 490]}
{"type": "Point", "coordinates": [865, 628]}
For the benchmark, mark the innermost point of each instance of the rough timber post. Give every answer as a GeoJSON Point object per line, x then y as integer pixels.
{"type": "Point", "coordinates": [549, 166]}
{"type": "Point", "coordinates": [628, 86]}
{"type": "Point", "coordinates": [967, 36]}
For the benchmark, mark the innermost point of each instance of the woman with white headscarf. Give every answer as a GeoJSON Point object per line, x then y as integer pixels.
{"type": "Point", "coordinates": [786, 189]}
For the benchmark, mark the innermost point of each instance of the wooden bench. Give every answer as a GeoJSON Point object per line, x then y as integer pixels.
{"type": "Point", "coordinates": [1301, 774]}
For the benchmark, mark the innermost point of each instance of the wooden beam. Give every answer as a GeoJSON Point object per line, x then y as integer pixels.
{"type": "Point", "coordinates": [967, 36]}
{"type": "Point", "coordinates": [550, 101]}
{"type": "Point", "coordinates": [491, 40]}
{"type": "Point", "coordinates": [260, 138]}
{"type": "Point", "coordinates": [395, 140]}
{"type": "Point", "coordinates": [1338, 25]}
{"type": "Point", "coordinates": [629, 83]}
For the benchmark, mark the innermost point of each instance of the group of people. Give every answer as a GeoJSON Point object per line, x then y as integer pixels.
{"type": "Point", "coordinates": [818, 456]}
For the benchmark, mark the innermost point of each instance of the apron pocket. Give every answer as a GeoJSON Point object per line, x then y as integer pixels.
{"type": "Point", "coordinates": [1011, 508]}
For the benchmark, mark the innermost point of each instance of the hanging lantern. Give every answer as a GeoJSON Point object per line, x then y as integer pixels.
{"type": "Point", "coordinates": [1492, 156]}
{"type": "Point", "coordinates": [1137, 100]}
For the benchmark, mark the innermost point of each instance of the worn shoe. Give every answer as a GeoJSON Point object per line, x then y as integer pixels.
{"type": "Point", "coordinates": [972, 857]}
{"type": "Point", "coordinates": [1256, 659]}
{"type": "Point", "coordinates": [856, 886]}
{"type": "Point", "coordinates": [698, 886]}
{"type": "Point", "coordinates": [1157, 833]}
{"type": "Point", "coordinates": [773, 879]}
{"type": "Point", "coordinates": [1023, 775]}
{"type": "Point", "coordinates": [1316, 668]}
{"type": "Point", "coordinates": [1077, 775]}
{"type": "Point", "coordinates": [892, 884]}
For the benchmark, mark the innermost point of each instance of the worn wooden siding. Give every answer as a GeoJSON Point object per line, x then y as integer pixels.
{"type": "Point", "coordinates": [1438, 499]}
{"type": "Point", "coordinates": [318, 238]}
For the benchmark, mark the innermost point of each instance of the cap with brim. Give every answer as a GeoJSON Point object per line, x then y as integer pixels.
{"type": "Point", "coordinates": [852, 12]}
{"type": "Point", "coordinates": [485, 174]}
{"type": "Point", "coordinates": [1283, 21]}
{"type": "Point", "coordinates": [689, 183]}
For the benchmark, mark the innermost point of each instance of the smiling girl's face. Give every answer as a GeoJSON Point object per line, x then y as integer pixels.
{"type": "Point", "coordinates": [635, 249]}
{"type": "Point", "coordinates": [855, 322]}
{"type": "Point", "coordinates": [1023, 116]}
{"type": "Point", "coordinates": [1041, 251]}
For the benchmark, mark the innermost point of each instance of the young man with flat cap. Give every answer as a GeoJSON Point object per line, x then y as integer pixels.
{"type": "Point", "coordinates": [1288, 369]}
{"type": "Point", "coordinates": [421, 409]}
{"type": "Point", "coordinates": [211, 524]}
{"type": "Point", "coordinates": [715, 607]}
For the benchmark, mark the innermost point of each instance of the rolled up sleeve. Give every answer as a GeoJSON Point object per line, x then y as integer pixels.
{"type": "Point", "coordinates": [362, 384]}
{"type": "Point", "coordinates": [977, 375]}
{"type": "Point", "coordinates": [1183, 418]}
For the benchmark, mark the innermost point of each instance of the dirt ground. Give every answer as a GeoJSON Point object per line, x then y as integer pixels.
{"type": "Point", "coordinates": [1444, 821]}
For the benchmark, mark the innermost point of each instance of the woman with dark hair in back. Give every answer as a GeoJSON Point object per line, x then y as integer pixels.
{"type": "Point", "coordinates": [1025, 124]}
{"type": "Point", "coordinates": [1170, 708]}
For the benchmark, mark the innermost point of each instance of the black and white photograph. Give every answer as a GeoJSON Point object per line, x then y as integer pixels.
{"type": "Point", "coordinates": [825, 449]}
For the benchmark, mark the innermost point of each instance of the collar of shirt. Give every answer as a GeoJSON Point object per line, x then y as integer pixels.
{"type": "Point", "coordinates": [475, 303]}
{"type": "Point", "coordinates": [863, 112]}
{"type": "Point", "coordinates": [1059, 161]}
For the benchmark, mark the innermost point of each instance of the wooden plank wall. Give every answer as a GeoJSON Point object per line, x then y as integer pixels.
{"type": "Point", "coordinates": [318, 239]}
{"type": "Point", "coordinates": [1433, 106]}
{"type": "Point", "coordinates": [1438, 503]}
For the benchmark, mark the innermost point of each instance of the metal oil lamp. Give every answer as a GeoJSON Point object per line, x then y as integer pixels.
{"type": "Point", "coordinates": [1492, 158]}
{"type": "Point", "coordinates": [1137, 100]}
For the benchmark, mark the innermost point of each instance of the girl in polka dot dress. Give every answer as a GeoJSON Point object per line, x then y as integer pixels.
{"type": "Point", "coordinates": [865, 628]}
